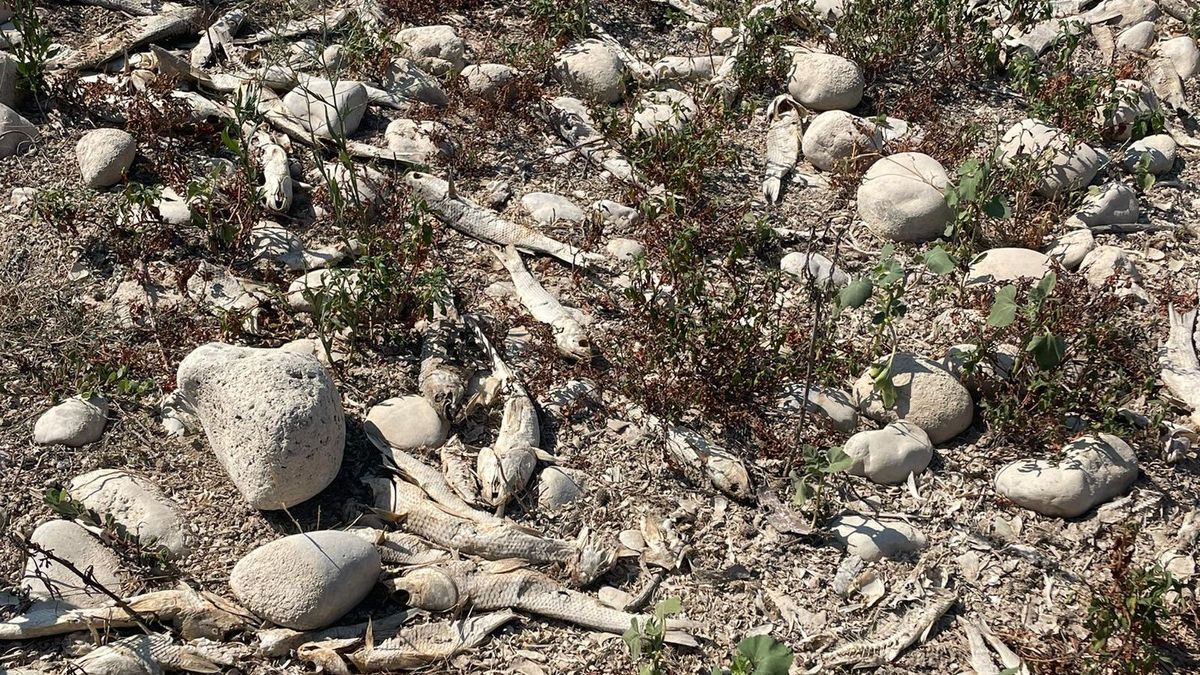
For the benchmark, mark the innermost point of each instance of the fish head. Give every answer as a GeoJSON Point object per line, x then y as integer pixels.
{"type": "Point", "coordinates": [780, 106]}
{"type": "Point", "coordinates": [426, 186]}
{"type": "Point", "coordinates": [730, 476]}
{"type": "Point", "coordinates": [430, 589]}
{"type": "Point", "coordinates": [574, 344]}
{"type": "Point", "coordinates": [594, 560]}
{"type": "Point", "coordinates": [446, 390]}
{"type": "Point", "coordinates": [492, 486]}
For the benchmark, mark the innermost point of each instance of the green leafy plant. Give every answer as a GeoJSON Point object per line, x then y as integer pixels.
{"type": "Point", "coordinates": [887, 277]}
{"type": "Point", "coordinates": [808, 483]}
{"type": "Point", "coordinates": [34, 50]}
{"type": "Point", "coordinates": [105, 380]}
{"type": "Point", "coordinates": [645, 640]}
{"type": "Point", "coordinates": [1046, 348]}
{"type": "Point", "coordinates": [760, 655]}
{"type": "Point", "coordinates": [561, 20]}
{"type": "Point", "coordinates": [1125, 621]}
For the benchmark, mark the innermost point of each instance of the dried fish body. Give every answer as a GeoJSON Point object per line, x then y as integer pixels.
{"type": "Point", "coordinates": [783, 143]}
{"type": "Point", "coordinates": [440, 379]}
{"type": "Point", "coordinates": [505, 585]}
{"type": "Point", "coordinates": [456, 468]}
{"type": "Point", "coordinates": [569, 335]}
{"type": "Point", "coordinates": [219, 34]}
{"type": "Point", "coordinates": [419, 646]}
{"type": "Point", "coordinates": [484, 224]}
{"type": "Point", "coordinates": [1179, 362]}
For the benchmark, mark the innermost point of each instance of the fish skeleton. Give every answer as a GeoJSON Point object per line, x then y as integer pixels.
{"type": "Point", "coordinates": [569, 335]}
{"type": "Point", "coordinates": [507, 585]}
{"type": "Point", "coordinates": [783, 143]}
{"type": "Point", "coordinates": [221, 34]}
{"type": "Point", "coordinates": [406, 504]}
{"type": "Point", "coordinates": [484, 224]}
{"type": "Point", "coordinates": [411, 648]}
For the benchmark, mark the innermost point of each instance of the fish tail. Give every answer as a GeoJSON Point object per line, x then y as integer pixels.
{"type": "Point", "coordinates": [770, 189]}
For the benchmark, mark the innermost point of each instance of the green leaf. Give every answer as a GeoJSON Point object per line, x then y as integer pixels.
{"type": "Point", "coordinates": [855, 293]}
{"type": "Point", "coordinates": [1039, 293]}
{"type": "Point", "coordinates": [1004, 307]}
{"type": "Point", "coordinates": [633, 639]}
{"type": "Point", "coordinates": [802, 491]}
{"type": "Point", "coordinates": [667, 607]}
{"type": "Point", "coordinates": [1048, 350]}
{"type": "Point", "coordinates": [768, 655]}
{"type": "Point", "coordinates": [838, 460]}
{"type": "Point", "coordinates": [892, 272]}
{"type": "Point", "coordinates": [997, 207]}
{"type": "Point", "coordinates": [939, 261]}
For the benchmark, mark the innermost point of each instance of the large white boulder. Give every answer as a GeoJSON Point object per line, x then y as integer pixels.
{"type": "Point", "coordinates": [825, 81]}
{"type": "Point", "coordinates": [665, 111]}
{"type": "Point", "coordinates": [1093, 470]}
{"type": "Point", "coordinates": [902, 197]}
{"type": "Point", "coordinates": [890, 454]}
{"type": "Point", "coordinates": [273, 418]}
{"type": "Point", "coordinates": [927, 395]}
{"type": "Point", "coordinates": [133, 502]}
{"type": "Point", "coordinates": [592, 70]}
{"type": "Point", "coordinates": [1065, 164]}
{"type": "Point", "coordinates": [1112, 203]}
{"type": "Point", "coordinates": [836, 139]}
{"type": "Point", "coordinates": [306, 581]}
{"type": "Point", "coordinates": [1184, 55]}
{"type": "Point", "coordinates": [327, 109]}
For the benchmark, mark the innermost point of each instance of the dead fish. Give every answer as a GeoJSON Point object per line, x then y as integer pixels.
{"type": "Point", "coordinates": [277, 642]}
{"type": "Point", "coordinates": [440, 380]}
{"type": "Point", "coordinates": [150, 655]}
{"type": "Point", "coordinates": [569, 335]}
{"type": "Point", "coordinates": [456, 468]}
{"type": "Point", "coordinates": [419, 646]}
{"type": "Point", "coordinates": [884, 649]}
{"type": "Point", "coordinates": [508, 585]}
{"type": "Point", "coordinates": [724, 469]}
{"type": "Point", "coordinates": [219, 35]}
{"type": "Point", "coordinates": [641, 71]}
{"type": "Point", "coordinates": [1179, 362]}
{"type": "Point", "coordinates": [678, 69]}
{"type": "Point", "coordinates": [174, 20]}
{"type": "Point", "coordinates": [130, 7]}
{"type": "Point", "coordinates": [277, 186]}
{"type": "Point", "coordinates": [783, 143]}
{"type": "Point", "coordinates": [1164, 80]}
{"type": "Point", "coordinates": [484, 224]}
{"type": "Point", "coordinates": [571, 119]}
{"type": "Point", "coordinates": [330, 20]}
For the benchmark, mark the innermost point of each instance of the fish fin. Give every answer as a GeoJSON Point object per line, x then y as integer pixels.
{"type": "Point", "coordinates": [770, 189]}
{"type": "Point", "coordinates": [504, 566]}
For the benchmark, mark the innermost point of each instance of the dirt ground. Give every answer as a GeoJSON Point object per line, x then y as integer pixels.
{"type": "Point", "coordinates": [1030, 578]}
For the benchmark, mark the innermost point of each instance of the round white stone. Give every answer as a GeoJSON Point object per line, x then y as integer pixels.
{"type": "Point", "coordinates": [47, 579]}
{"type": "Point", "coordinates": [593, 71]}
{"type": "Point", "coordinates": [888, 455]}
{"type": "Point", "coordinates": [873, 540]}
{"type": "Point", "coordinates": [1002, 265]}
{"type": "Point", "coordinates": [926, 394]}
{"type": "Point", "coordinates": [825, 81]}
{"type": "Point", "coordinates": [1065, 164]}
{"type": "Point", "coordinates": [104, 155]}
{"type": "Point", "coordinates": [272, 417]}
{"type": "Point", "coordinates": [74, 422]}
{"type": "Point", "coordinates": [902, 198]}
{"type": "Point", "coordinates": [437, 49]}
{"type": "Point", "coordinates": [306, 581]}
{"type": "Point", "coordinates": [134, 502]}
{"type": "Point", "coordinates": [836, 138]}
{"type": "Point", "coordinates": [407, 423]}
